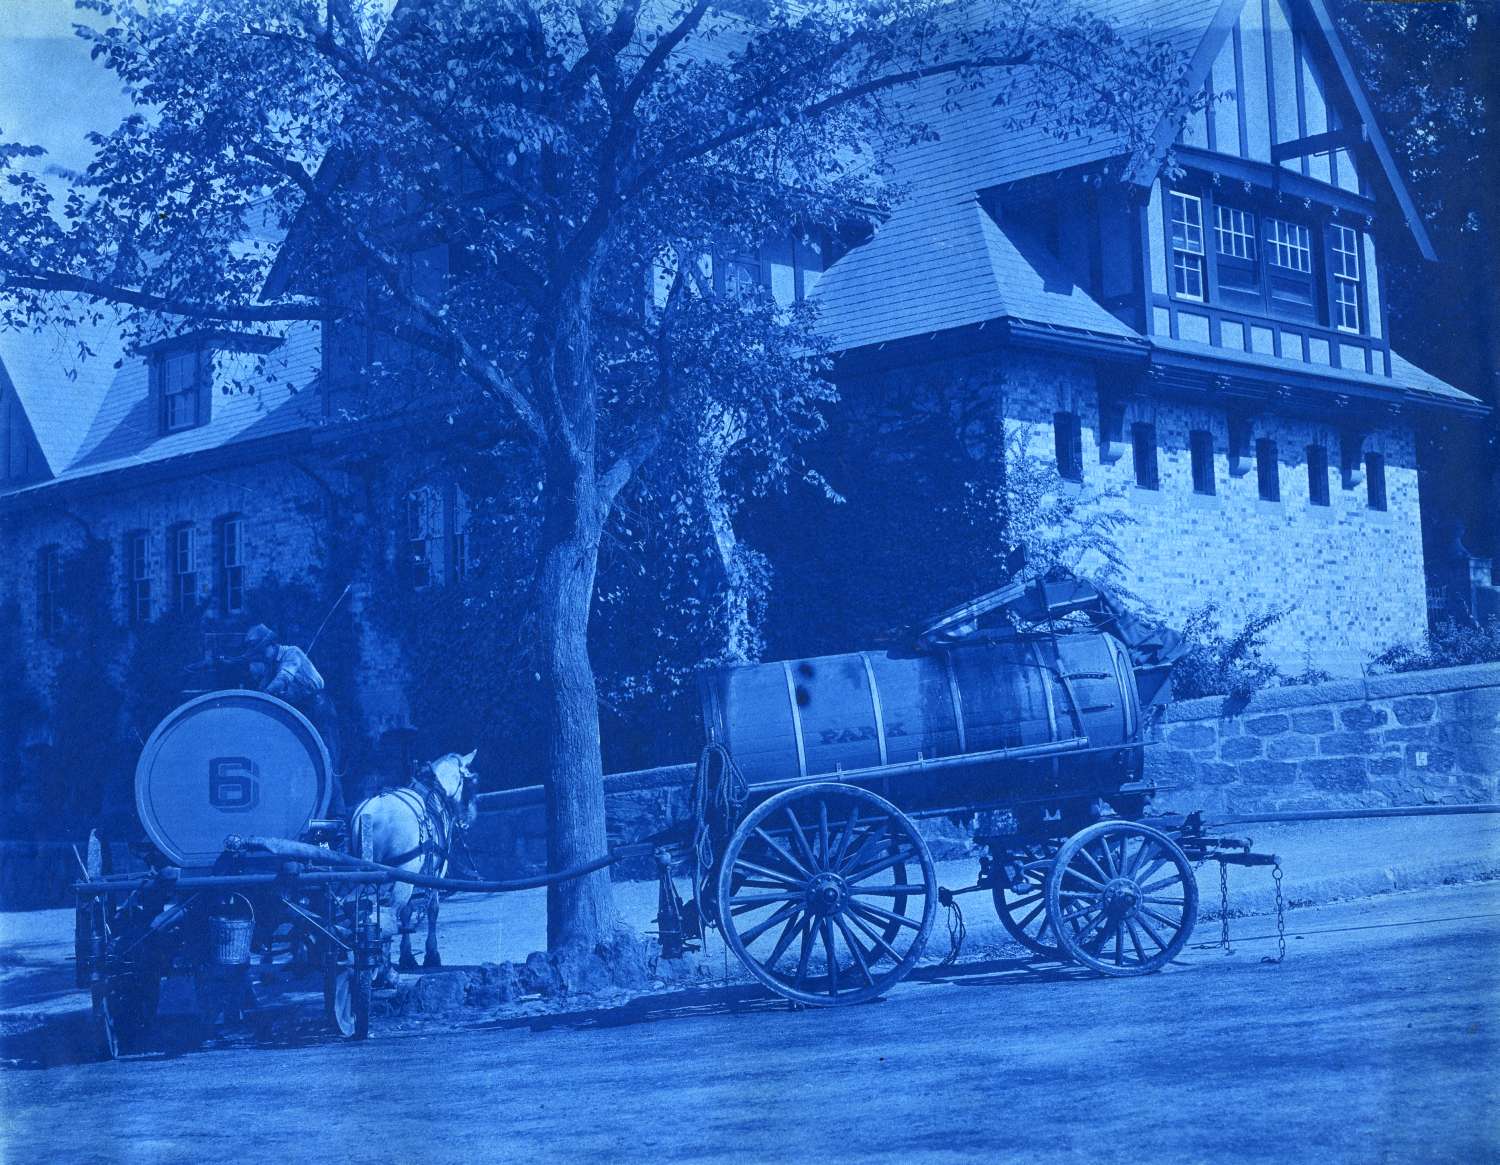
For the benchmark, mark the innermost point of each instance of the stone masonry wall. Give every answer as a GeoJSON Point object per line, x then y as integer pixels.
{"type": "Point", "coordinates": [1420, 738]}
{"type": "Point", "coordinates": [1352, 576]}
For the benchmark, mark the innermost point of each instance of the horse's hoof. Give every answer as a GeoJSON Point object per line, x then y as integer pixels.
{"type": "Point", "coordinates": [432, 960]}
{"type": "Point", "coordinates": [407, 963]}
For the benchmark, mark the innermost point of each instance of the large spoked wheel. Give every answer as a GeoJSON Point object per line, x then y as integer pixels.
{"type": "Point", "coordinates": [827, 894]}
{"type": "Point", "coordinates": [1023, 912]}
{"type": "Point", "coordinates": [1122, 898]}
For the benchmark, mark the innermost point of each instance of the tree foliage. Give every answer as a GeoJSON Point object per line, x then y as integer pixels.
{"type": "Point", "coordinates": [566, 158]}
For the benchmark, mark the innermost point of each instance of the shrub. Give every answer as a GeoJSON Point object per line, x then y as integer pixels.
{"type": "Point", "coordinates": [1225, 664]}
{"type": "Point", "coordinates": [1449, 644]}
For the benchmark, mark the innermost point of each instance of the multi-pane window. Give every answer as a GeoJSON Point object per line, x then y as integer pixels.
{"type": "Point", "coordinates": [138, 576]}
{"type": "Point", "coordinates": [1234, 230]}
{"type": "Point", "coordinates": [177, 378]}
{"type": "Point", "coordinates": [1201, 450]}
{"type": "Point", "coordinates": [1375, 481]}
{"type": "Point", "coordinates": [1317, 475]}
{"type": "Point", "coordinates": [458, 535]}
{"type": "Point", "coordinates": [1289, 245]}
{"type": "Point", "coordinates": [1067, 434]}
{"type": "Point", "coordinates": [184, 549]}
{"type": "Point", "coordinates": [1187, 245]}
{"type": "Point", "coordinates": [1344, 247]}
{"type": "Point", "coordinates": [231, 565]}
{"type": "Point", "coordinates": [48, 576]}
{"type": "Point", "coordinates": [424, 522]}
{"type": "Point", "coordinates": [1267, 470]}
{"type": "Point", "coordinates": [1143, 446]}
{"type": "Point", "coordinates": [742, 273]}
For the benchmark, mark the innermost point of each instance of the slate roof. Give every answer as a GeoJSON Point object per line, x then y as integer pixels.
{"type": "Point", "coordinates": [945, 263]}
{"type": "Point", "coordinates": [112, 424]}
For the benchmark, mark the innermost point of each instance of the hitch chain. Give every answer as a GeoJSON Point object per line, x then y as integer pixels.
{"type": "Point", "coordinates": [1280, 920]}
{"type": "Point", "coordinates": [957, 931]}
{"type": "Point", "coordinates": [1224, 908]}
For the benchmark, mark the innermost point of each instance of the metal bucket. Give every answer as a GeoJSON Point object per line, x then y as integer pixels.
{"type": "Point", "coordinates": [229, 936]}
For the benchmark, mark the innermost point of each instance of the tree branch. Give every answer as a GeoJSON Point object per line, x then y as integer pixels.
{"type": "Point", "coordinates": [99, 289]}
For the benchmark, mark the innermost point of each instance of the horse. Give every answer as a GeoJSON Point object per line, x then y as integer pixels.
{"type": "Point", "coordinates": [414, 829]}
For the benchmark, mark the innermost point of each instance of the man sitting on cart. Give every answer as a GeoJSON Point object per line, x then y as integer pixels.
{"type": "Point", "coordinates": [286, 672]}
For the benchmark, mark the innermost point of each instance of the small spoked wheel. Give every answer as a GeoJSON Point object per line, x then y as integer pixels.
{"type": "Point", "coordinates": [827, 894]}
{"type": "Point", "coordinates": [346, 998]}
{"type": "Point", "coordinates": [1122, 898]}
{"type": "Point", "coordinates": [1023, 910]}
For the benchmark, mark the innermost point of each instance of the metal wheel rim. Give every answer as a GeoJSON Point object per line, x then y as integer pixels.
{"type": "Point", "coordinates": [1025, 917]}
{"type": "Point", "coordinates": [1122, 898]}
{"type": "Point", "coordinates": [105, 1026]}
{"type": "Point", "coordinates": [854, 853]}
{"type": "Point", "coordinates": [338, 995]}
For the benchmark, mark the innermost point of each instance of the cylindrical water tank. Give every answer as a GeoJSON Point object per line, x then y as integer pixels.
{"type": "Point", "coordinates": [229, 762]}
{"type": "Point", "coordinates": [835, 714]}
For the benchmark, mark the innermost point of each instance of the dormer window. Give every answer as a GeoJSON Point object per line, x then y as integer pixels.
{"type": "Point", "coordinates": [180, 376]}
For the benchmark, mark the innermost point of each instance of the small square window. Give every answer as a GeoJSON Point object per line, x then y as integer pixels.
{"type": "Point", "coordinates": [1067, 434]}
{"type": "Point", "coordinates": [1201, 449]}
{"type": "Point", "coordinates": [1375, 481]}
{"type": "Point", "coordinates": [1267, 470]}
{"type": "Point", "coordinates": [1317, 475]}
{"type": "Point", "coordinates": [1143, 446]}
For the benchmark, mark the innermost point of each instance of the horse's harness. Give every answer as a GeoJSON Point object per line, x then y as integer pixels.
{"type": "Point", "coordinates": [440, 819]}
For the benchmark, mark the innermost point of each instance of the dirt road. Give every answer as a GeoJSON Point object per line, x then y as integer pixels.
{"type": "Point", "coordinates": [1374, 1042]}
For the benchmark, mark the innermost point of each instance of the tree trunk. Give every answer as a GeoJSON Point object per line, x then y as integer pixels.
{"type": "Point", "coordinates": [580, 912]}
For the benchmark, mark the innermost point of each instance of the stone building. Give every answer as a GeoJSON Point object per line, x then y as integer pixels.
{"type": "Point", "coordinates": [1200, 327]}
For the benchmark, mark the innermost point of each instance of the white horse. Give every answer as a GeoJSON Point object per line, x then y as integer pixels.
{"type": "Point", "coordinates": [414, 829]}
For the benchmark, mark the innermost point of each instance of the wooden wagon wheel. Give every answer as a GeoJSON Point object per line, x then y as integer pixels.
{"type": "Point", "coordinates": [1122, 897]}
{"type": "Point", "coordinates": [827, 894]}
{"type": "Point", "coordinates": [1023, 913]}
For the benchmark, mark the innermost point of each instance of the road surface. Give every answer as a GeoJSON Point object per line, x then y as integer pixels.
{"type": "Point", "coordinates": [1374, 1042]}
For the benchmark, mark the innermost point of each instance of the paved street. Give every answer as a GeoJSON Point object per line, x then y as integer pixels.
{"type": "Point", "coordinates": [1375, 1042]}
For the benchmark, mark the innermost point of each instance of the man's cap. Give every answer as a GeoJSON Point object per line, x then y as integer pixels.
{"type": "Point", "coordinates": [255, 639]}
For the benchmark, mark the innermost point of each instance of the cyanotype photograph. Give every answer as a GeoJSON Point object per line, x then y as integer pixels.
{"type": "Point", "coordinates": [749, 581]}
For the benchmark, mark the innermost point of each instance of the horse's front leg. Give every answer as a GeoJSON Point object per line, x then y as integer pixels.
{"type": "Point", "coordinates": [430, 957]}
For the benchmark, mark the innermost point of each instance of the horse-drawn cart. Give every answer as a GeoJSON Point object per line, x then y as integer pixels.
{"type": "Point", "coordinates": [228, 764]}
{"type": "Point", "coordinates": [801, 842]}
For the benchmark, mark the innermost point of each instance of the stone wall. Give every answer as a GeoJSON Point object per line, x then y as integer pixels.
{"type": "Point", "coordinates": [1351, 576]}
{"type": "Point", "coordinates": [1420, 738]}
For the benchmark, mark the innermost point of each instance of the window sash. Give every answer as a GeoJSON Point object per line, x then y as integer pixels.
{"type": "Point", "coordinates": [1235, 232]}
{"type": "Point", "coordinates": [139, 593]}
{"type": "Point", "coordinates": [1187, 246]}
{"type": "Point", "coordinates": [1375, 493]}
{"type": "Point", "coordinates": [1143, 448]}
{"type": "Point", "coordinates": [1067, 431]}
{"type": "Point", "coordinates": [1289, 245]}
{"type": "Point", "coordinates": [1267, 470]}
{"type": "Point", "coordinates": [1317, 475]}
{"type": "Point", "coordinates": [1201, 454]}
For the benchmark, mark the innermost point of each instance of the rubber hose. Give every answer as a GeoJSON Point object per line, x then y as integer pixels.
{"type": "Point", "coordinates": [284, 847]}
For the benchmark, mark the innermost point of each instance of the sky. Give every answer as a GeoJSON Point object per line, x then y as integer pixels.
{"type": "Point", "coordinates": [51, 94]}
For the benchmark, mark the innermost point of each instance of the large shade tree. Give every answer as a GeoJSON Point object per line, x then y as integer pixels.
{"type": "Point", "coordinates": [571, 157]}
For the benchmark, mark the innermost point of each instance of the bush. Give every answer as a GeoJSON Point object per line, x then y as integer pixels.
{"type": "Point", "coordinates": [1449, 644]}
{"type": "Point", "coordinates": [1220, 664]}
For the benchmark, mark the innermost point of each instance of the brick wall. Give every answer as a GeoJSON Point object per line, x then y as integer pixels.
{"type": "Point", "coordinates": [1420, 738]}
{"type": "Point", "coordinates": [1352, 576]}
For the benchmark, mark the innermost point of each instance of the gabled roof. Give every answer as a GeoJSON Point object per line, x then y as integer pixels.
{"type": "Point", "coordinates": [274, 394]}
{"type": "Point", "coordinates": [944, 263]}
{"type": "Point", "coordinates": [61, 377]}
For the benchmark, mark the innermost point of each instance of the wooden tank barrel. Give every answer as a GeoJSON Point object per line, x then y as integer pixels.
{"type": "Point", "coordinates": [811, 718]}
{"type": "Point", "coordinates": [229, 762]}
